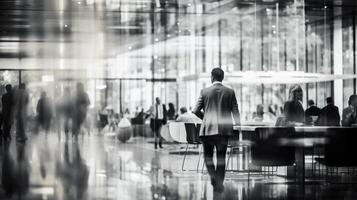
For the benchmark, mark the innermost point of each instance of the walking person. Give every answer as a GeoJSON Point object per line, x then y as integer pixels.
{"type": "Point", "coordinates": [44, 112]}
{"type": "Point", "coordinates": [7, 112]}
{"type": "Point", "coordinates": [81, 103]}
{"type": "Point", "coordinates": [158, 118]}
{"type": "Point", "coordinates": [21, 103]}
{"type": "Point", "coordinates": [218, 103]}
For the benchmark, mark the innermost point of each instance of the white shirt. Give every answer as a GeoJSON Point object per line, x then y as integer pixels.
{"type": "Point", "coordinates": [159, 112]}
{"type": "Point", "coordinates": [188, 117]}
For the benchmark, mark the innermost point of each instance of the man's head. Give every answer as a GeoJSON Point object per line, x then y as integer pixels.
{"type": "Point", "coordinates": [217, 74]}
{"type": "Point", "coordinates": [353, 100]}
{"type": "Point", "coordinates": [329, 100]}
{"type": "Point", "coordinates": [80, 87]}
{"type": "Point", "coordinates": [157, 99]}
{"type": "Point", "coordinates": [311, 102]}
{"type": "Point", "coordinates": [8, 88]}
{"type": "Point", "coordinates": [43, 94]}
{"type": "Point", "coordinates": [183, 110]}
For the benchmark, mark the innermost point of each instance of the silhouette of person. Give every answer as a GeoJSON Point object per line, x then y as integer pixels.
{"type": "Point", "coordinates": [7, 111]}
{"type": "Point", "coordinates": [219, 104]}
{"type": "Point", "coordinates": [21, 103]}
{"type": "Point", "coordinates": [171, 112]}
{"type": "Point", "coordinates": [312, 111]}
{"type": "Point", "coordinates": [329, 115]}
{"type": "Point", "coordinates": [158, 118]}
{"type": "Point", "coordinates": [293, 110]}
{"type": "Point", "coordinates": [81, 103]}
{"type": "Point", "coordinates": [44, 112]}
{"type": "Point", "coordinates": [349, 114]}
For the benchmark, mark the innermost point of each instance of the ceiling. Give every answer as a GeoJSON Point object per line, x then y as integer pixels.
{"type": "Point", "coordinates": [40, 33]}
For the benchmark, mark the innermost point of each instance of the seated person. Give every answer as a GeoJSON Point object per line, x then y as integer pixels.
{"type": "Point", "coordinates": [263, 115]}
{"type": "Point", "coordinates": [330, 115]}
{"type": "Point", "coordinates": [293, 113]}
{"type": "Point", "coordinates": [187, 116]}
{"type": "Point", "coordinates": [349, 114]}
{"type": "Point", "coordinates": [312, 112]}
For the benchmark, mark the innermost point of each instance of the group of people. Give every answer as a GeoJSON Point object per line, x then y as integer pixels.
{"type": "Point", "coordinates": [294, 113]}
{"type": "Point", "coordinates": [15, 111]}
{"type": "Point", "coordinates": [14, 106]}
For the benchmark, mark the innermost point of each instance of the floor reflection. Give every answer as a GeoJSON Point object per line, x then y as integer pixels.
{"type": "Point", "coordinates": [96, 167]}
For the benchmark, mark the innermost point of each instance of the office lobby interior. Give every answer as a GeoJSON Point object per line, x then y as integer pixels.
{"type": "Point", "coordinates": [99, 99]}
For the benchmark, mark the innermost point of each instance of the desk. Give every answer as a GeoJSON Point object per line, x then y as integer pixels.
{"type": "Point", "coordinates": [305, 137]}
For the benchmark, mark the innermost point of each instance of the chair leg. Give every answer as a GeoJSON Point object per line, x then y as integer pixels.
{"type": "Point", "coordinates": [184, 158]}
{"type": "Point", "coordinates": [229, 157]}
{"type": "Point", "coordinates": [199, 159]}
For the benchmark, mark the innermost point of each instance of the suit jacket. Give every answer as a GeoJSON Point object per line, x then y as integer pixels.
{"type": "Point", "coordinates": [218, 104]}
{"type": "Point", "coordinates": [312, 111]}
{"type": "Point", "coordinates": [329, 116]}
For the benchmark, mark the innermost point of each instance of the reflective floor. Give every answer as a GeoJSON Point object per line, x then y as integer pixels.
{"type": "Point", "coordinates": [97, 167]}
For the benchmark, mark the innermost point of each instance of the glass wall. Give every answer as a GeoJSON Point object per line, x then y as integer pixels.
{"type": "Point", "coordinates": [129, 52]}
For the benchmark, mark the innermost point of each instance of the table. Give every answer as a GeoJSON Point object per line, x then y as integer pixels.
{"type": "Point", "coordinates": [306, 137]}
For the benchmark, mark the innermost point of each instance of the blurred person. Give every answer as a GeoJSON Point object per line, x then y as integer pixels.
{"type": "Point", "coordinates": [21, 104]}
{"type": "Point", "coordinates": [81, 103]}
{"type": "Point", "coordinates": [171, 112]}
{"type": "Point", "coordinates": [112, 123]}
{"type": "Point", "coordinates": [329, 115]}
{"type": "Point", "coordinates": [158, 116]}
{"type": "Point", "coordinates": [262, 114]}
{"type": "Point", "coordinates": [127, 113]}
{"type": "Point", "coordinates": [293, 112]}
{"type": "Point", "coordinates": [186, 116]}
{"type": "Point", "coordinates": [67, 109]}
{"type": "Point", "coordinates": [312, 112]}
{"type": "Point", "coordinates": [271, 109]}
{"type": "Point", "coordinates": [259, 113]}
{"type": "Point", "coordinates": [349, 114]}
{"type": "Point", "coordinates": [44, 112]}
{"type": "Point", "coordinates": [7, 111]}
{"type": "Point", "coordinates": [218, 103]}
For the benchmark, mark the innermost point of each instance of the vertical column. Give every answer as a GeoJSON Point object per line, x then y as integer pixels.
{"type": "Point", "coordinates": [337, 57]}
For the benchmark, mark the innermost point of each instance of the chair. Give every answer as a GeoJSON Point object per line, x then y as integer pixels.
{"type": "Point", "coordinates": [266, 151]}
{"type": "Point", "coordinates": [341, 149]}
{"type": "Point", "coordinates": [192, 136]}
{"type": "Point", "coordinates": [178, 132]}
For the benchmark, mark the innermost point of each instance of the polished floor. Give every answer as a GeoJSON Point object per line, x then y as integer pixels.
{"type": "Point", "coordinates": [98, 167]}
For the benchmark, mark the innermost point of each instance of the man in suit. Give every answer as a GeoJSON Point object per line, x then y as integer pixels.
{"type": "Point", "coordinates": [158, 118]}
{"type": "Point", "coordinates": [349, 114]}
{"type": "Point", "coordinates": [330, 115]}
{"type": "Point", "coordinates": [7, 111]}
{"type": "Point", "coordinates": [218, 103]}
{"type": "Point", "coordinates": [312, 111]}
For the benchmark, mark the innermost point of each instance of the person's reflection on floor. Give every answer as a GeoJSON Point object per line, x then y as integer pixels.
{"type": "Point", "coordinates": [155, 168]}
{"type": "Point", "coordinates": [73, 175]}
{"type": "Point", "coordinates": [22, 175]}
{"type": "Point", "coordinates": [230, 193]}
{"type": "Point", "coordinates": [8, 179]}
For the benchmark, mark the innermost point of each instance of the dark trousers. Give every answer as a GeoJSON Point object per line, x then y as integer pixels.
{"type": "Point", "coordinates": [7, 128]}
{"type": "Point", "coordinates": [156, 125]}
{"type": "Point", "coordinates": [220, 143]}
